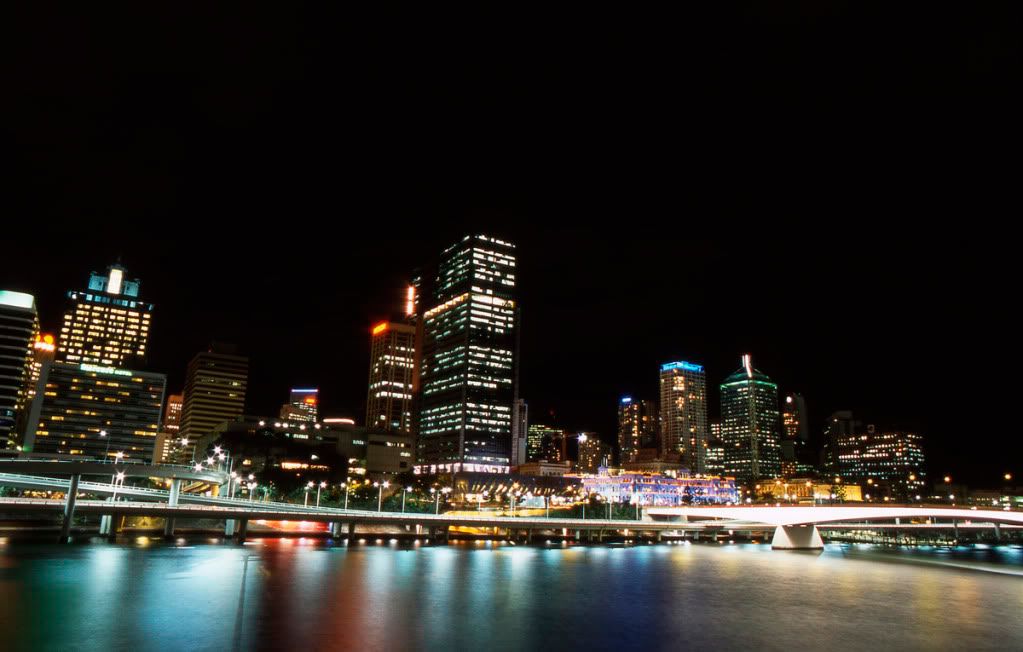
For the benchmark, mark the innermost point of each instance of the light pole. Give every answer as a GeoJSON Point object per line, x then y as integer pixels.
{"type": "Point", "coordinates": [252, 491]}
{"type": "Point", "coordinates": [106, 453]}
{"type": "Point", "coordinates": [120, 482]}
{"type": "Point", "coordinates": [345, 485]}
{"type": "Point", "coordinates": [380, 494]}
{"type": "Point", "coordinates": [323, 485]}
{"type": "Point", "coordinates": [308, 486]}
{"type": "Point", "coordinates": [404, 492]}
{"type": "Point", "coordinates": [436, 495]}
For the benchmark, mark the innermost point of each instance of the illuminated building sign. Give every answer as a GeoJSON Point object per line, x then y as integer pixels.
{"type": "Point", "coordinates": [380, 328]}
{"type": "Point", "coordinates": [17, 299]}
{"type": "Point", "coordinates": [686, 366]}
{"type": "Point", "coordinates": [104, 370]}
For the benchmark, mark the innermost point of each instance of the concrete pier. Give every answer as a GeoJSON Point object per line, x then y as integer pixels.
{"type": "Point", "coordinates": [797, 537]}
{"type": "Point", "coordinates": [69, 509]}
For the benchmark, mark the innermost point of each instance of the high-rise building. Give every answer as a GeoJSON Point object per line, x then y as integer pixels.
{"type": "Point", "coordinates": [106, 324]}
{"type": "Point", "coordinates": [841, 438]}
{"type": "Point", "coordinates": [796, 456]}
{"type": "Point", "coordinates": [392, 369]}
{"type": "Point", "coordinates": [894, 458]}
{"type": "Point", "coordinates": [637, 427]}
{"type": "Point", "coordinates": [98, 411]}
{"type": "Point", "coordinates": [750, 424]}
{"type": "Point", "coordinates": [469, 357]}
{"type": "Point", "coordinates": [544, 443]}
{"type": "Point", "coordinates": [593, 453]}
{"type": "Point", "coordinates": [169, 436]}
{"type": "Point", "coordinates": [215, 385]}
{"type": "Point", "coordinates": [684, 413]}
{"type": "Point", "coordinates": [520, 430]}
{"type": "Point", "coordinates": [301, 406]}
{"type": "Point", "coordinates": [19, 326]}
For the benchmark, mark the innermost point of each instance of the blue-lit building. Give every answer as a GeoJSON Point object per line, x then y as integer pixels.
{"type": "Point", "coordinates": [468, 374]}
{"type": "Point", "coordinates": [684, 427]}
{"type": "Point", "coordinates": [662, 490]}
{"type": "Point", "coordinates": [750, 424]}
{"type": "Point", "coordinates": [19, 326]}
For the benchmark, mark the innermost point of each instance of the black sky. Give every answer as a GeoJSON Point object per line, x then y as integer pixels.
{"type": "Point", "coordinates": [818, 184]}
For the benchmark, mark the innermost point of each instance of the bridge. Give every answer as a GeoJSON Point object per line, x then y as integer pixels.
{"type": "Point", "coordinates": [796, 527]}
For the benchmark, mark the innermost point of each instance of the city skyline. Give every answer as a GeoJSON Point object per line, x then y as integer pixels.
{"type": "Point", "coordinates": [276, 368]}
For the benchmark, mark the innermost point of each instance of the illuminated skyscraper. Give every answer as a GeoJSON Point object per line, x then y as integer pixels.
{"type": "Point", "coordinates": [841, 439]}
{"type": "Point", "coordinates": [19, 326]}
{"type": "Point", "coordinates": [215, 386]}
{"type": "Point", "coordinates": [545, 443]}
{"type": "Point", "coordinates": [169, 435]}
{"type": "Point", "coordinates": [98, 411]}
{"type": "Point", "coordinates": [469, 360]}
{"type": "Point", "coordinates": [684, 429]}
{"type": "Point", "coordinates": [891, 458]}
{"type": "Point", "coordinates": [520, 429]}
{"type": "Point", "coordinates": [796, 457]}
{"type": "Point", "coordinates": [106, 324]}
{"type": "Point", "coordinates": [593, 453]}
{"type": "Point", "coordinates": [392, 367]}
{"type": "Point", "coordinates": [750, 424]}
{"type": "Point", "coordinates": [637, 427]}
{"type": "Point", "coordinates": [302, 405]}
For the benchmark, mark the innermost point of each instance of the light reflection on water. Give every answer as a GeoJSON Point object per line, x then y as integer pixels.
{"type": "Point", "coordinates": [307, 595]}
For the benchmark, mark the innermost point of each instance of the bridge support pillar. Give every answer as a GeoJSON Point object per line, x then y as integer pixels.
{"type": "Point", "coordinates": [529, 535]}
{"type": "Point", "coordinates": [69, 509]}
{"type": "Point", "coordinates": [998, 532]}
{"type": "Point", "coordinates": [797, 537]}
{"type": "Point", "coordinates": [172, 501]}
{"type": "Point", "coordinates": [696, 535]}
{"type": "Point", "coordinates": [228, 528]}
{"type": "Point", "coordinates": [659, 535]}
{"type": "Point", "coordinates": [578, 536]}
{"type": "Point", "coordinates": [715, 537]}
{"type": "Point", "coordinates": [351, 529]}
{"type": "Point", "coordinates": [106, 521]}
{"type": "Point", "coordinates": [243, 529]}
{"type": "Point", "coordinates": [955, 529]}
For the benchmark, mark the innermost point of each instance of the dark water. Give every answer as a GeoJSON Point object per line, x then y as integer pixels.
{"type": "Point", "coordinates": [281, 594]}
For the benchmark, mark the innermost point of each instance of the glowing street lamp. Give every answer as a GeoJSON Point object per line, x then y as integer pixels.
{"type": "Point", "coordinates": [252, 491]}
{"type": "Point", "coordinates": [380, 493]}
{"type": "Point", "coordinates": [103, 434]}
{"type": "Point", "coordinates": [322, 486]}
{"type": "Point", "coordinates": [404, 492]}
{"type": "Point", "coordinates": [345, 485]}
{"type": "Point", "coordinates": [308, 488]}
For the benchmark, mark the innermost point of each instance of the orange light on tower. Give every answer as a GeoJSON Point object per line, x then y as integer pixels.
{"type": "Point", "coordinates": [45, 343]}
{"type": "Point", "coordinates": [380, 328]}
{"type": "Point", "coordinates": [310, 400]}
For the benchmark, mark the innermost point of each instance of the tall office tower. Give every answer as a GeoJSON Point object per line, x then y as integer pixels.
{"type": "Point", "coordinates": [593, 453]}
{"type": "Point", "coordinates": [520, 430]}
{"type": "Point", "coordinates": [392, 367]}
{"type": "Point", "coordinates": [892, 457]}
{"type": "Point", "coordinates": [715, 463]}
{"type": "Point", "coordinates": [637, 427]}
{"type": "Point", "coordinates": [301, 406]}
{"type": "Point", "coordinates": [98, 411]}
{"type": "Point", "coordinates": [793, 418]}
{"type": "Point", "coordinates": [750, 424]}
{"type": "Point", "coordinates": [469, 360]}
{"type": "Point", "coordinates": [170, 429]}
{"type": "Point", "coordinates": [107, 323]}
{"type": "Point", "coordinates": [795, 450]}
{"type": "Point", "coordinates": [19, 326]}
{"type": "Point", "coordinates": [215, 385]}
{"type": "Point", "coordinates": [841, 439]}
{"type": "Point", "coordinates": [684, 428]}
{"type": "Point", "coordinates": [544, 443]}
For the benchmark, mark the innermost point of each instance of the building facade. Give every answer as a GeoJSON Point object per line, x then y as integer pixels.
{"type": "Point", "coordinates": [894, 458]}
{"type": "Point", "coordinates": [593, 453]}
{"type": "Point", "coordinates": [470, 356]}
{"type": "Point", "coordinates": [520, 431]}
{"type": "Point", "coordinates": [750, 424]}
{"type": "Point", "coordinates": [215, 386]}
{"type": "Point", "coordinates": [661, 490]}
{"type": "Point", "coordinates": [683, 413]}
{"type": "Point", "coordinates": [98, 412]}
{"type": "Point", "coordinates": [107, 323]}
{"type": "Point", "coordinates": [19, 326]}
{"type": "Point", "coordinates": [392, 370]}
{"type": "Point", "coordinates": [637, 427]}
{"type": "Point", "coordinates": [302, 405]}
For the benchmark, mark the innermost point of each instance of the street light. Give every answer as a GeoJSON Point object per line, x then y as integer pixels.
{"type": "Point", "coordinates": [404, 492]}
{"type": "Point", "coordinates": [252, 491]}
{"type": "Point", "coordinates": [323, 485]}
{"type": "Point", "coordinates": [380, 494]}
{"type": "Point", "coordinates": [436, 509]}
{"type": "Point", "coordinates": [106, 453]}
{"type": "Point", "coordinates": [345, 485]}
{"type": "Point", "coordinates": [308, 486]}
{"type": "Point", "coordinates": [120, 481]}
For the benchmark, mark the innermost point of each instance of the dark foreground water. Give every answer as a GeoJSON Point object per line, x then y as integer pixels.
{"type": "Point", "coordinates": [292, 595]}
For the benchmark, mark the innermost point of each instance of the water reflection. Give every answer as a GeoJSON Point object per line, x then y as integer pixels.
{"type": "Point", "coordinates": [307, 595]}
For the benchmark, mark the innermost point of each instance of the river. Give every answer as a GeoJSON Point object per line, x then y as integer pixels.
{"type": "Point", "coordinates": [311, 595]}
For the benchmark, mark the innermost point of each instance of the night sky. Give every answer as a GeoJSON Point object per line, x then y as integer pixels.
{"type": "Point", "coordinates": [818, 185]}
